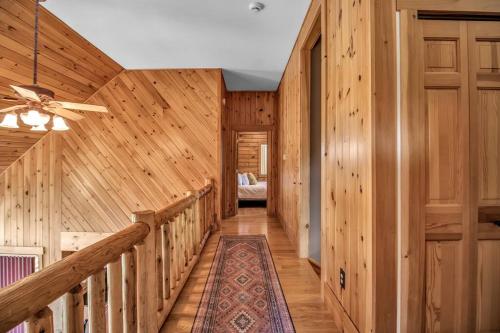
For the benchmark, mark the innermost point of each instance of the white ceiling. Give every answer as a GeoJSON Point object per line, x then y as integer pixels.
{"type": "Point", "coordinates": [253, 49]}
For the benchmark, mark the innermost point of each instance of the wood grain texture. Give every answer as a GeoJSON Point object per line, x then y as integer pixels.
{"type": "Point", "coordinates": [249, 158]}
{"type": "Point", "coordinates": [449, 182]}
{"type": "Point", "coordinates": [359, 156]}
{"type": "Point", "coordinates": [244, 112]}
{"type": "Point", "coordinates": [300, 284]}
{"type": "Point", "coordinates": [291, 137]}
{"type": "Point", "coordinates": [484, 240]}
{"type": "Point", "coordinates": [30, 199]}
{"type": "Point", "coordinates": [473, 6]}
{"type": "Point", "coordinates": [159, 141]}
{"type": "Point", "coordinates": [68, 64]}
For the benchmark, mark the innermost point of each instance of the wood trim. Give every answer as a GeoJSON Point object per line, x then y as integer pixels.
{"type": "Point", "coordinates": [312, 36]}
{"type": "Point", "coordinates": [412, 150]}
{"type": "Point", "coordinates": [472, 6]}
{"type": "Point", "coordinates": [22, 250]}
{"type": "Point", "coordinates": [384, 171]}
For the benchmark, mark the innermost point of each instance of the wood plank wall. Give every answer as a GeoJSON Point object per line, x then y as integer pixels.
{"type": "Point", "coordinates": [30, 199]}
{"type": "Point", "coordinates": [359, 158]}
{"type": "Point", "coordinates": [248, 111]}
{"type": "Point", "coordinates": [160, 140]}
{"type": "Point", "coordinates": [249, 158]}
{"type": "Point", "coordinates": [68, 64]}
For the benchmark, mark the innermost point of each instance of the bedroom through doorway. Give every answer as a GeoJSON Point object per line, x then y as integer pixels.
{"type": "Point", "coordinates": [252, 161]}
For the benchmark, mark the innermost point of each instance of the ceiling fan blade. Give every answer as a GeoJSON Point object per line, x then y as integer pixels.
{"type": "Point", "coordinates": [26, 93]}
{"type": "Point", "coordinates": [13, 108]}
{"type": "Point", "coordinates": [81, 107]}
{"type": "Point", "coordinates": [9, 99]}
{"type": "Point", "coordinates": [64, 113]}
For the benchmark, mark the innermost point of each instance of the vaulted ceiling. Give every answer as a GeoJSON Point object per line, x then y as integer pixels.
{"type": "Point", "coordinates": [68, 64]}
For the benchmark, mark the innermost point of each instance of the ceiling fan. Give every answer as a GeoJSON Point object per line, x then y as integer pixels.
{"type": "Point", "coordinates": [38, 104]}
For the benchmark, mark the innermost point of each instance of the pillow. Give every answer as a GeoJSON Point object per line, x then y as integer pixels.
{"type": "Point", "coordinates": [244, 179]}
{"type": "Point", "coordinates": [240, 179]}
{"type": "Point", "coordinates": [252, 179]}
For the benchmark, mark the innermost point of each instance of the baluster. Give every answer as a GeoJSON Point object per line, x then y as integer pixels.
{"type": "Point", "coordinates": [190, 236]}
{"type": "Point", "coordinates": [183, 242]}
{"type": "Point", "coordinates": [175, 256]}
{"type": "Point", "coordinates": [73, 310]}
{"type": "Point", "coordinates": [165, 242]}
{"type": "Point", "coordinates": [129, 292]}
{"type": "Point", "coordinates": [171, 240]}
{"type": "Point", "coordinates": [178, 253]}
{"type": "Point", "coordinates": [115, 314]}
{"type": "Point", "coordinates": [202, 217]}
{"type": "Point", "coordinates": [197, 226]}
{"type": "Point", "coordinates": [42, 322]}
{"type": "Point", "coordinates": [96, 301]}
{"type": "Point", "coordinates": [159, 271]}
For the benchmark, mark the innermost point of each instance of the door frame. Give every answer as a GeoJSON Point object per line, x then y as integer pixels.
{"type": "Point", "coordinates": [271, 165]}
{"type": "Point", "coordinates": [313, 35]}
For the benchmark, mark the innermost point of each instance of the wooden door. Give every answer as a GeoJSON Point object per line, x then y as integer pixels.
{"type": "Point", "coordinates": [484, 78]}
{"type": "Point", "coordinates": [450, 175]}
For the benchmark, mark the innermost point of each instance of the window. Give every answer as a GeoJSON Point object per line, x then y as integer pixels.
{"type": "Point", "coordinates": [263, 160]}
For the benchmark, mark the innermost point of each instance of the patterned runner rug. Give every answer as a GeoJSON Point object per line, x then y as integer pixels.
{"type": "Point", "coordinates": [243, 292]}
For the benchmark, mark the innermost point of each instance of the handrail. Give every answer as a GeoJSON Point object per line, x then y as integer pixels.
{"type": "Point", "coordinates": [30, 295]}
{"type": "Point", "coordinates": [147, 264]}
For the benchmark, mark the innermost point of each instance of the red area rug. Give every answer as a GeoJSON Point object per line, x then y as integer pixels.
{"type": "Point", "coordinates": [243, 292]}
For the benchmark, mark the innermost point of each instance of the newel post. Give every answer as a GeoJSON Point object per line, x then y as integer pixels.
{"type": "Point", "coordinates": [146, 275]}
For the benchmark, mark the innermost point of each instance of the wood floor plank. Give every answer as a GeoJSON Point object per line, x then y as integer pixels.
{"type": "Point", "coordinates": [300, 283]}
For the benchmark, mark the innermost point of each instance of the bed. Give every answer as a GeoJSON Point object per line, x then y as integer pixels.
{"type": "Point", "coordinates": [256, 192]}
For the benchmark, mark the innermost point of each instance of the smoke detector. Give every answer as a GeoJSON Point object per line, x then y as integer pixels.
{"type": "Point", "coordinates": [256, 7]}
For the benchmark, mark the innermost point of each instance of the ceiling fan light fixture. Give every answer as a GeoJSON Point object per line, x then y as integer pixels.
{"type": "Point", "coordinates": [39, 128]}
{"type": "Point", "coordinates": [32, 118]}
{"type": "Point", "coordinates": [9, 121]}
{"type": "Point", "coordinates": [59, 124]}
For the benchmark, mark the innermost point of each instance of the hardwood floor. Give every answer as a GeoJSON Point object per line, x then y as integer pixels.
{"type": "Point", "coordinates": [300, 283]}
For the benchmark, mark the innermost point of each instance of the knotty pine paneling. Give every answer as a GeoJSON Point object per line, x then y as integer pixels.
{"type": "Point", "coordinates": [249, 111]}
{"type": "Point", "coordinates": [30, 199]}
{"type": "Point", "coordinates": [249, 152]}
{"type": "Point", "coordinates": [359, 157]}
{"type": "Point", "coordinates": [68, 64]}
{"type": "Point", "coordinates": [160, 140]}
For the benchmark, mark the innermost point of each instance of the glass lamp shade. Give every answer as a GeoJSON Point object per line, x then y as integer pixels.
{"type": "Point", "coordinates": [9, 121]}
{"type": "Point", "coordinates": [39, 128]}
{"type": "Point", "coordinates": [34, 118]}
{"type": "Point", "coordinates": [59, 124]}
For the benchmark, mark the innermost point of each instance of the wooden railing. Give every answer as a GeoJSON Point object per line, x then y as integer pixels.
{"type": "Point", "coordinates": [132, 278]}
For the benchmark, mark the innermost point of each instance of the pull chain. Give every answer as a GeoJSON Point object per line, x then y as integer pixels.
{"type": "Point", "coordinates": [35, 55]}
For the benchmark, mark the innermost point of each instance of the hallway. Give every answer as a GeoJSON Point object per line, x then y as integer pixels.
{"type": "Point", "coordinates": [300, 284]}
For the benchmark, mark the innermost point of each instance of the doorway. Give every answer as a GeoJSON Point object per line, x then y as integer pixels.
{"type": "Point", "coordinates": [252, 157]}
{"type": "Point", "coordinates": [315, 154]}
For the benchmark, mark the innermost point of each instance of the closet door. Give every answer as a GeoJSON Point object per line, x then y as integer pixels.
{"type": "Point", "coordinates": [435, 175]}
{"type": "Point", "coordinates": [446, 161]}
{"type": "Point", "coordinates": [484, 74]}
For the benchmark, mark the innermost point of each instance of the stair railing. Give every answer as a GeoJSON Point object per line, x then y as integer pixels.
{"type": "Point", "coordinates": [132, 278]}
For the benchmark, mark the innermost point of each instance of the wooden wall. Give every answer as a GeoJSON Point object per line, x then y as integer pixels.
{"type": "Point", "coordinates": [359, 157]}
{"type": "Point", "coordinates": [30, 199]}
{"type": "Point", "coordinates": [249, 158]}
{"type": "Point", "coordinates": [160, 140]}
{"type": "Point", "coordinates": [248, 111]}
{"type": "Point", "coordinates": [68, 64]}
